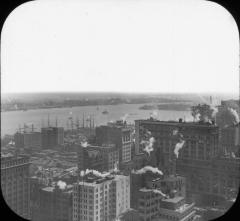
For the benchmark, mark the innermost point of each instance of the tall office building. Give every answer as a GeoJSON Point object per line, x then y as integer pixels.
{"type": "Point", "coordinates": [54, 203]}
{"type": "Point", "coordinates": [15, 183]}
{"type": "Point", "coordinates": [230, 139]}
{"type": "Point", "coordinates": [101, 158]}
{"type": "Point", "coordinates": [207, 179]}
{"type": "Point", "coordinates": [52, 137]}
{"type": "Point", "coordinates": [118, 133]}
{"type": "Point", "coordinates": [201, 139]}
{"type": "Point", "coordinates": [176, 208]}
{"type": "Point", "coordinates": [159, 197]}
{"type": "Point", "coordinates": [28, 140]}
{"type": "Point", "coordinates": [98, 198]}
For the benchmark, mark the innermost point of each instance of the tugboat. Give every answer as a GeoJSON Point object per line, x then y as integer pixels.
{"type": "Point", "coordinates": [105, 112]}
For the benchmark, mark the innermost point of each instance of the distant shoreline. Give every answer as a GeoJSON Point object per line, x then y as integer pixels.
{"type": "Point", "coordinates": [50, 104]}
{"type": "Point", "coordinates": [169, 106]}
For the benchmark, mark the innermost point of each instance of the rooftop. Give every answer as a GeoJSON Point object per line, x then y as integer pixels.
{"type": "Point", "coordinates": [174, 200]}
{"type": "Point", "coordinates": [92, 179]}
{"type": "Point", "coordinates": [178, 123]}
{"type": "Point", "coordinates": [48, 189]}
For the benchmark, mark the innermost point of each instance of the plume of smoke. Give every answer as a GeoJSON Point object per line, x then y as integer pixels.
{"type": "Point", "coordinates": [233, 155]}
{"type": "Point", "coordinates": [133, 135]}
{"type": "Point", "coordinates": [234, 114]}
{"type": "Point", "coordinates": [205, 119]}
{"type": "Point", "coordinates": [96, 173]}
{"type": "Point", "coordinates": [154, 114]}
{"type": "Point", "coordinates": [11, 143]}
{"type": "Point", "coordinates": [84, 144]}
{"type": "Point", "coordinates": [62, 185]}
{"type": "Point", "coordinates": [215, 110]}
{"type": "Point", "coordinates": [82, 173]}
{"type": "Point", "coordinates": [175, 132]}
{"type": "Point", "coordinates": [116, 167]}
{"type": "Point", "coordinates": [178, 146]}
{"type": "Point", "coordinates": [148, 168]}
{"type": "Point", "coordinates": [148, 132]}
{"type": "Point", "coordinates": [148, 145]}
{"type": "Point", "coordinates": [124, 118]}
{"type": "Point", "coordinates": [159, 192]}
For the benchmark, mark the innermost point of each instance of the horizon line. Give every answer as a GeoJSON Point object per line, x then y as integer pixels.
{"type": "Point", "coordinates": [119, 92]}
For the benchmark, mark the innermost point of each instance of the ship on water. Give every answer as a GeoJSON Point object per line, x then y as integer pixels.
{"type": "Point", "coordinates": [105, 112]}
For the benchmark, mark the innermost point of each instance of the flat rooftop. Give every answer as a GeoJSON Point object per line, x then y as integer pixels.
{"type": "Point", "coordinates": [48, 189]}
{"type": "Point", "coordinates": [177, 123]}
{"type": "Point", "coordinates": [94, 179]}
{"type": "Point", "coordinates": [174, 200]}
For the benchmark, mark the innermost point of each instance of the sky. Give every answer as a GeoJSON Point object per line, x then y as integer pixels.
{"type": "Point", "coordinates": [172, 46]}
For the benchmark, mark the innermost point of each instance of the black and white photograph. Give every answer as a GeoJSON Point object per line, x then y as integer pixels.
{"type": "Point", "coordinates": [120, 110]}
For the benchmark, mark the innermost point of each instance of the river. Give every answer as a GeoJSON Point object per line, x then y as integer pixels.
{"type": "Point", "coordinates": [10, 121]}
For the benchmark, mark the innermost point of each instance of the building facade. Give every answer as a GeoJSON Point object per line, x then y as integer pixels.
{"type": "Point", "coordinates": [118, 133]}
{"type": "Point", "coordinates": [28, 140]}
{"type": "Point", "coordinates": [52, 137]}
{"type": "Point", "coordinates": [15, 183]}
{"type": "Point", "coordinates": [199, 159]}
{"type": "Point", "coordinates": [160, 197]}
{"type": "Point", "coordinates": [54, 204]}
{"type": "Point", "coordinates": [176, 209]}
{"type": "Point", "coordinates": [230, 139]}
{"type": "Point", "coordinates": [101, 158]}
{"type": "Point", "coordinates": [101, 198]}
{"type": "Point", "coordinates": [201, 139]}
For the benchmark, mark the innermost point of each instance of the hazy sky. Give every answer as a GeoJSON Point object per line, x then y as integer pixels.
{"type": "Point", "coordinates": [113, 45]}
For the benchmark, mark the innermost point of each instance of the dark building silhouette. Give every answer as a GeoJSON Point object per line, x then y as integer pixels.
{"type": "Point", "coordinates": [118, 133]}
{"type": "Point", "coordinates": [52, 137]}
{"type": "Point", "coordinates": [210, 177]}
{"type": "Point", "coordinates": [54, 204]}
{"type": "Point", "coordinates": [28, 140]}
{"type": "Point", "coordinates": [200, 141]}
{"type": "Point", "coordinates": [230, 139]}
{"type": "Point", "coordinates": [15, 183]}
{"type": "Point", "coordinates": [160, 197]}
{"type": "Point", "coordinates": [100, 158]}
{"type": "Point", "coordinates": [99, 198]}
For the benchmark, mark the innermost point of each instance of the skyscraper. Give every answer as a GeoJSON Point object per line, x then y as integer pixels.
{"type": "Point", "coordinates": [118, 133]}
{"type": "Point", "coordinates": [101, 158]}
{"type": "Point", "coordinates": [97, 197]}
{"type": "Point", "coordinates": [54, 203]}
{"type": "Point", "coordinates": [28, 140]}
{"type": "Point", "coordinates": [52, 137]}
{"type": "Point", "coordinates": [15, 183]}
